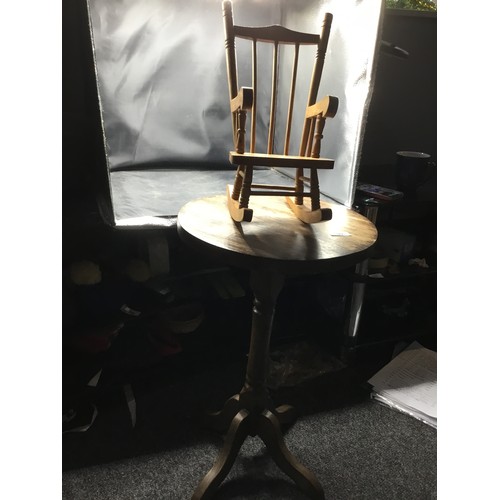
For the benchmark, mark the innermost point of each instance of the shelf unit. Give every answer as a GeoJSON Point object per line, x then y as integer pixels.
{"type": "Point", "coordinates": [401, 302]}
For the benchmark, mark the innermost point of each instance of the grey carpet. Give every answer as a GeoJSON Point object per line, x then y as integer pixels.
{"type": "Point", "coordinates": [363, 452]}
{"type": "Point", "coordinates": [357, 448]}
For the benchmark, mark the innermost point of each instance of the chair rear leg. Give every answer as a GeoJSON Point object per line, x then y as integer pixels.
{"type": "Point", "coordinates": [299, 186]}
{"type": "Point", "coordinates": [315, 213]}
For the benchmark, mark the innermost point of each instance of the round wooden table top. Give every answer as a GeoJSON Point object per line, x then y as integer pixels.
{"type": "Point", "coordinates": [275, 239]}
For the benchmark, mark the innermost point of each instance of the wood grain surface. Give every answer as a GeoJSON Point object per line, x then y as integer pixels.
{"type": "Point", "coordinates": [276, 239]}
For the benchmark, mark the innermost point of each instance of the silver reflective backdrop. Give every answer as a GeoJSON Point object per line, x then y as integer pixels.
{"type": "Point", "coordinates": [162, 84]}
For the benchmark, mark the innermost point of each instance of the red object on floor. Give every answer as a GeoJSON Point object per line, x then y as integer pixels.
{"type": "Point", "coordinates": [165, 345]}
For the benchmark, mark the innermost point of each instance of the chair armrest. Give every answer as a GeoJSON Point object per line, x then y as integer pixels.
{"type": "Point", "coordinates": [327, 107]}
{"type": "Point", "coordinates": [244, 99]}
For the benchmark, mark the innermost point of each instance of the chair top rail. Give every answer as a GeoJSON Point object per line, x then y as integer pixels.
{"type": "Point", "coordinates": [276, 34]}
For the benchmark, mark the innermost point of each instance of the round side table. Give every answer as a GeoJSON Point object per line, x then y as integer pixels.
{"type": "Point", "coordinates": [275, 244]}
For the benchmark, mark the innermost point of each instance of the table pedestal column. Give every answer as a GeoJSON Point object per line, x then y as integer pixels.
{"type": "Point", "coordinates": [251, 412]}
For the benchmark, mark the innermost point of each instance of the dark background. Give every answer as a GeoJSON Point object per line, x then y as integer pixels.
{"type": "Point", "coordinates": [402, 116]}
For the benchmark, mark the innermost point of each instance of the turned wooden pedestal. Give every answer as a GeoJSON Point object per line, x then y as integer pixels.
{"type": "Point", "coordinates": [273, 245]}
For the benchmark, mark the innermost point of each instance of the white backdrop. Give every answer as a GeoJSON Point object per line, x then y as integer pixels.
{"type": "Point", "coordinates": [162, 83]}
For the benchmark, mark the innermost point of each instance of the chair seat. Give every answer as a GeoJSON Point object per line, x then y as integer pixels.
{"type": "Point", "coordinates": [272, 160]}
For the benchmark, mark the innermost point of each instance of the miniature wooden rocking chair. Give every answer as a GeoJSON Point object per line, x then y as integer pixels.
{"type": "Point", "coordinates": [245, 99]}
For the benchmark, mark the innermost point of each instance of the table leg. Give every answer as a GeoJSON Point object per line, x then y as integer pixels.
{"type": "Point", "coordinates": [236, 435]}
{"type": "Point", "coordinates": [220, 421]}
{"type": "Point", "coordinates": [268, 429]}
{"type": "Point", "coordinates": [251, 412]}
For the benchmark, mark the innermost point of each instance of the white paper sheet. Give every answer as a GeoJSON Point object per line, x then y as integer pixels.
{"type": "Point", "coordinates": [409, 383]}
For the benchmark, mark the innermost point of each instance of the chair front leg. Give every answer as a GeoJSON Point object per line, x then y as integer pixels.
{"type": "Point", "coordinates": [246, 187]}
{"type": "Point", "coordinates": [238, 181]}
{"type": "Point", "coordinates": [299, 186]}
{"type": "Point", "coordinates": [314, 189]}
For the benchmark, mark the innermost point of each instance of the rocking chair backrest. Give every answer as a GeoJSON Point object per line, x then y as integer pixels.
{"type": "Point", "coordinates": [276, 35]}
